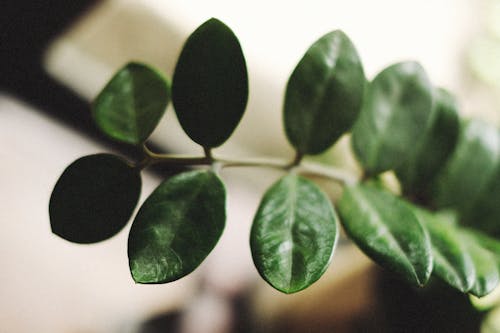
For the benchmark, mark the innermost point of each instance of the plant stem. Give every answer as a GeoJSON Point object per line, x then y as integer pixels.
{"type": "Point", "coordinates": [296, 164]}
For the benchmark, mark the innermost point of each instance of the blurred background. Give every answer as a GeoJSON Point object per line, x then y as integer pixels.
{"type": "Point", "coordinates": [57, 55]}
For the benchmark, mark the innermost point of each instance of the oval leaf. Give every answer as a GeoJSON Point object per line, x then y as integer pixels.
{"type": "Point", "coordinates": [471, 176]}
{"type": "Point", "coordinates": [396, 110]}
{"type": "Point", "coordinates": [324, 94]}
{"type": "Point", "coordinates": [293, 234]}
{"type": "Point", "coordinates": [94, 198]}
{"type": "Point", "coordinates": [431, 152]}
{"type": "Point", "coordinates": [210, 84]}
{"type": "Point", "coordinates": [485, 264]}
{"type": "Point", "coordinates": [452, 262]}
{"type": "Point", "coordinates": [387, 230]}
{"type": "Point", "coordinates": [177, 227]}
{"type": "Point", "coordinates": [132, 103]}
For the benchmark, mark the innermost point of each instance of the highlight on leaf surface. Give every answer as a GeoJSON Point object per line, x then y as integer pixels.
{"type": "Point", "coordinates": [132, 103]}
{"type": "Point", "coordinates": [177, 227]}
{"type": "Point", "coordinates": [396, 110]}
{"type": "Point", "coordinates": [210, 84]}
{"type": "Point", "coordinates": [293, 234]}
{"type": "Point", "coordinates": [324, 94]}
{"type": "Point", "coordinates": [386, 229]}
{"type": "Point", "coordinates": [94, 198]}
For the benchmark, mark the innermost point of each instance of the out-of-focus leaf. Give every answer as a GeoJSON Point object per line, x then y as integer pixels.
{"type": "Point", "coordinates": [324, 94]}
{"type": "Point", "coordinates": [177, 227]}
{"type": "Point", "coordinates": [487, 242]}
{"type": "Point", "coordinates": [396, 110]}
{"type": "Point", "coordinates": [386, 229]}
{"type": "Point", "coordinates": [94, 198]}
{"type": "Point", "coordinates": [132, 103]}
{"type": "Point", "coordinates": [210, 84]}
{"type": "Point", "coordinates": [432, 151]}
{"type": "Point", "coordinates": [470, 182]}
{"type": "Point", "coordinates": [293, 234]}
{"type": "Point", "coordinates": [485, 264]}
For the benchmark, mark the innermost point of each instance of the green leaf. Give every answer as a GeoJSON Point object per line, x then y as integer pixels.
{"type": "Point", "coordinates": [486, 266]}
{"type": "Point", "coordinates": [487, 242]}
{"type": "Point", "coordinates": [396, 110]}
{"type": "Point", "coordinates": [452, 262]}
{"type": "Point", "coordinates": [177, 227]}
{"type": "Point", "coordinates": [293, 234]}
{"type": "Point", "coordinates": [470, 182]}
{"type": "Point", "coordinates": [431, 152]}
{"type": "Point", "coordinates": [132, 103]}
{"type": "Point", "coordinates": [324, 94]}
{"type": "Point", "coordinates": [210, 84]}
{"type": "Point", "coordinates": [386, 229]}
{"type": "Point", "coordinates": [94, 198]}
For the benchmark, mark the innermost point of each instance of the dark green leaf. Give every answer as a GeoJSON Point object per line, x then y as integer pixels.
{"type": "Point", "coordinates": [324, 94]}
{"type": "Point", "coordinates": [293, 234]}
{"type": "Point", "coordinates": [470, 182]}
{"type": "Point", "coordinates": [452, 262]}
{"type": "Point", "coordinates": [386, 229]}
{"type": "Point", "coordinates": [210, 84]}
{"type": "Point", "coordinates": [432, 151]}
{"type": "Point", "coordinates": [132, 103]}
{"type": "Point", "coordinates": [485, 264]}
{"type": "Point", "coordinates": [485, 214]}
{"type": "Point", "coordinates": [396, 110]}
{"type": "Point", "coordinates": [177, 227]}
{"type": "Point", "coordinates": [94, 198]}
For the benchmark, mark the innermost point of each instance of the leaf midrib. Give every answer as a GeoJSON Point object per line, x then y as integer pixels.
{"type": "Point", "coordinates": [291, 220]}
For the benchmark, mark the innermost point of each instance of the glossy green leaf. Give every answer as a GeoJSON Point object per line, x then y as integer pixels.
{"type": "Point", "coordinates": [431, 152]}
{"type": "Point", "coordinates": [210, 84]}
{"type": "Point", "coordinates": [396, 110]}
{"type": "Point", "coordinates": [452, 261]}
{"type": "Point", "coordinates": [177, 227]}
{"type": "Point", "coordinates": [485, 264]}
{"type": "Point", "coordinates": [470, 182]}
{"type": "Point", "coordinates": [324, 94]}
{"type": "Point", "coordinates": [94, 198]}
{"type": "Point", "coordinates": [293, 234]}
{"type": "Point", "coordinates": [132, 103]}
{"type": "Point", "coordinates": [386, 229]}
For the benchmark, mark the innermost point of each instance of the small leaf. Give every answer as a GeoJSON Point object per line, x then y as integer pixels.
{"type": "Point", "coordinates": [431, 152]}
{"type": "Point", "coordinates": [452, 262]}
{"type": "Point", "coordinates": [132, 103]}
{"type": "Point", "coordinates": [94, 198]}
{"type": "Point", "coordinates": [396, 110]}
{"type": "Point", "coordinates": [324, 94]}
{"type": "Point", "coordinates": [486, 266]}
{"type": "Point", "coordinates": [177, 227]}
{"type": "Point", "coordinates": [293, 234]}
{"type": "Point", "coordinates": [386, 229]}
{"type": "Point", "coordinates": [470, 181]}
{"type": "Point", "coordinates": [210, 84]}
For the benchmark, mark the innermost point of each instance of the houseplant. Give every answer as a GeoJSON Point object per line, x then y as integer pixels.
{"type": "Point", "coordinates": [440, 222]}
